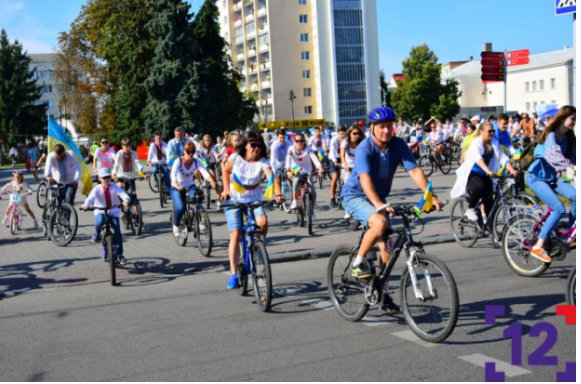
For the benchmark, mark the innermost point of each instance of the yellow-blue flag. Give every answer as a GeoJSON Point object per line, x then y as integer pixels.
{"type": "Point", "coordinates": [59, 135]}
{"type": "Point", "coordinates": [237, 184]}
{"type": "Point", "coordinates": [269, 192]}
{"type": "Point", "coordinates": [426, 202]}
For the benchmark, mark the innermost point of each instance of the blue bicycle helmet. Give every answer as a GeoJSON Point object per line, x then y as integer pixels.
{"type": "Point", "coordinates": [382, 114]}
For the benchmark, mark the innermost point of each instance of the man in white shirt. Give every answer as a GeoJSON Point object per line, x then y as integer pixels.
{"type": "Point", "coordinates": [63, 167]}
{"type": "Point", "coordinates": [335, 162]}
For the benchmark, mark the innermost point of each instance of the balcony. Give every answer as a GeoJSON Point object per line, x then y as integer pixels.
{"type": "Point", "coordinates": [265, 65]}
{"type": "Point", "coordinates": [251, 52]}
{"type": "Point", "coordinates": [261, 11]}
{"type": "Point", "coordinates": [263, 28]}
{"type": "Point", "coordinates": [264, 48]}
{"type": "Point", "coordinates": [249, 18]}
{"type": "Point", "coordinates": [240, 56]}
{"type": "Point", "coordinates": [238, 23]}
{"type": "Point", "coordinates": [238, 6]}
{"type": "Point", "coordinates": [254, 87]}
{"type": "Point", "coordinates": [265, 84]}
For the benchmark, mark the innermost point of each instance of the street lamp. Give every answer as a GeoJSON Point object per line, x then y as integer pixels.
{"type": "Point", "coordinates": [292, 99]}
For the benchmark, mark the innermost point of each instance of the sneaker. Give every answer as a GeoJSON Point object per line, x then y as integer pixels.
{"type": "Point", "coordinates": [333, 203]}
{"type": "Point", "coordinates": [540, 254]}
{"type": "Point", "coordinates": [233, 282]}
{"type": "Point", "coordinates": [95, 239]}
{"type": "Point", "coordinates": [121, 260]}
{"type": "Point", "coordinates": [293, 205]}
{"type": "Point", "coordinates": [176, 231]}
{"type": "Point", "coordinates": [218, 205]}
{"type": "Point", "coordinates": [388, 305]}
{"type": "Point", "coordinates": [35, 223]}
{"type": "Point", "coordinates": [362, 271]}
{"type": "Point", "coordinates": [471, 215]}
{"type": "Point", "coordinates": [347, 216]}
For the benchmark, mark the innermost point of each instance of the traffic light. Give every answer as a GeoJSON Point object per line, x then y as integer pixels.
{"type": "Point", "coordinates": [493, 66]}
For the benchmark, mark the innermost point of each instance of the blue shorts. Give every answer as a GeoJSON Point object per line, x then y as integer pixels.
{"type": "Point", "coordinates": [333, 167]}
{"type": "Point", "coordinates": [234, 217]}
{"type": "Point", "coordinates": [360, 208]}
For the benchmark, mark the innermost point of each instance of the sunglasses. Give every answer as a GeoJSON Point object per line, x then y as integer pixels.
{"type": "Point", "coordinates": [254, 145]}
{"type": "Point", "coordinates": [106, 177]}
{"type": "Point", "coordinates": [299, 141]}
{"type": "Point", "coordinates": [490, 131]}
{"type": "Point", "coordinates": [355, 133]}
{"type": "Point", "coordinates": [190, 152]}
{"type": "Point", "coordinates": [104, 142]}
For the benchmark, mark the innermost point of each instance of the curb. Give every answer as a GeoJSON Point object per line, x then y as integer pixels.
{"type": "Point", "coordinates": [326, 252]}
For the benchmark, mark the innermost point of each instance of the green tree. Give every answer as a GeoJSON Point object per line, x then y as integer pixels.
{"type": "Point", "coordinates": [422, 94]}
{"type": "Point", "coordinates": [221, 105]}
{"type": "Point", "coordinates": [20, 110]}
{"type": "Point", "coordinates": [385, 96]}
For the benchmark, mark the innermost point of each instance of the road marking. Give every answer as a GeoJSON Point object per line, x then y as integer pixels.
{"type": "Point", "coordinates": [410, 336]}
{"type": "Point", "coordinates": [325, 305]}
{"type": "Point", "coordinates": [480, 360]}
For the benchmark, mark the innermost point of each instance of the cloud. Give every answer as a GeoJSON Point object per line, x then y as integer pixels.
{"type": "Point", "coordinates": [10, 10]}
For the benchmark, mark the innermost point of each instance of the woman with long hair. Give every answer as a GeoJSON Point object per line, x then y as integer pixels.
{"type": "Point", "coordinates": [554, 154]}
{"type": "Point", "coordinates": [354, 137]}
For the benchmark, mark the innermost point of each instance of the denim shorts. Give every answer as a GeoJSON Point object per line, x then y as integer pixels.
{"type": "Point", "coordinates": [333, 167]}
{"type": "Point", "coordinates": [234, 217]}
{"type": "Point", "coordinates": [360, 208]}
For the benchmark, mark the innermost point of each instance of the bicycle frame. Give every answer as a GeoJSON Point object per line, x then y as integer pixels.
{"type": "Point", "coordinates": [249, 229]}
{"type": "Point", "coordinates": [569, 234]}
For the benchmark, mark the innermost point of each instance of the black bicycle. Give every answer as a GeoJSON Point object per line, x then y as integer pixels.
{"type": "Point", "coordinates": [305, 202]}
{"type": "Point", "coordinates": [108, 238]}
{"type": "Point", "coordinates": [286, 190]}
{"type": "Point", "coordinates": [428, 292]}
{"type": "Point", "coordinates": [42, 194]}
{"type": "Point", "coordinates": [430, 161]}
{"type": "Point", "coordinates": [132, 215]}
{"type": "Point", "coordinates": [59, 219]}
{"type": "Point", "coordinates": [196, 220]}
{"type": "Point", "coordinates": [157, 185]}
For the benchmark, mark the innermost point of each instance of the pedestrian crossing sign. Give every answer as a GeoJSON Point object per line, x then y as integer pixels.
{"type": "Point", "coordinates": [565, 7]}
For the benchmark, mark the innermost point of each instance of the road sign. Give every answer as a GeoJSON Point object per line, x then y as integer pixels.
{"type": "Point", "coordinates": [486, 78]}
{"type": "Point", "coordinates": [565, 7]}
{"type": "Point", "coordinates": [517, 61]}
{"type": "Point", "coordinates": [490, 55]}
{"type": "Point", "coordinates": [518, 53]}
{"type": "Point", "coordinates": [492, 66]}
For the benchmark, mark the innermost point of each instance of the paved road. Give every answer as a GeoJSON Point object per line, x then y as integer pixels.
{"type": "Point", "coordinates": [172, 318]}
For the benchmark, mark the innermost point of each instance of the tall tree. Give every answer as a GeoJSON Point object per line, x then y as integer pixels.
{"type": "Point", "coordinates": [422, 94]}
{"type": "Point", "coordinates": [383, 89]}
{"type": "Point", "coordinates": [221, 105]}
{"type": "Point", "coordinates": [20, 110]}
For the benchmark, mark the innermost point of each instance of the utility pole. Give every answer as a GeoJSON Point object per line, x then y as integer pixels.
{"type": "Point", "coordinates": [292, 100]}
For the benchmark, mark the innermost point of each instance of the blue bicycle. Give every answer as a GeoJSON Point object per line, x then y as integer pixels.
{"type": "Point", "coordinates": [254, 259]}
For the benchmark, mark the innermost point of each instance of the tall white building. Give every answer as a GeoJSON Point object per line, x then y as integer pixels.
{"type": "Point", "coordinates": [324, 51]}
{"type": "Point", "coordinates": [44, 64]}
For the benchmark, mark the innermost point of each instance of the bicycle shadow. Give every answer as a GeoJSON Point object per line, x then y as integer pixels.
{"type": "Point", "coordinates": [162, 266]}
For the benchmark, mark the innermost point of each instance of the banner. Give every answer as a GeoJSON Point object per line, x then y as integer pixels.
{"type": "Point", "coordinates": [288, 124]}
{"type": "Point", "coordinates": [59, 135]}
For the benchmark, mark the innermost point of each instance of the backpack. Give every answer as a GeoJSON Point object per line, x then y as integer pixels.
{"type": "Point", "coordinates": [528, 156]}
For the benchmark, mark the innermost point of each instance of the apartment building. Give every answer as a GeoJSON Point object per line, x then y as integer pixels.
{"type": "Point", "coordinates": [305, 59]}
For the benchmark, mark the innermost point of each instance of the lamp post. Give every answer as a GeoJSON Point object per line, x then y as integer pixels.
{"type": "Point", "coordinates": [292, 100]}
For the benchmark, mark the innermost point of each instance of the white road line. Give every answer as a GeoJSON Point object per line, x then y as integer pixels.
{"type": "Point", "coordinates": [480, 360]}
{"type": "Point", "coordinates": [325, 305]}
{"type": "Point", "coordinates": [410, 336]}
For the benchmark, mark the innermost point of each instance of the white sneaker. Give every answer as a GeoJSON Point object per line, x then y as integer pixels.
{"type": "Point", "coordinates": [293, 205]}
{"type": "Point", "coordinates": [471, 215]}
{"type": "Point", "coordinates": [176, 230]}
{"type": "Point", "coordinates": [35, 223]}
{"type": "Point", "coordinates": [347, 216]}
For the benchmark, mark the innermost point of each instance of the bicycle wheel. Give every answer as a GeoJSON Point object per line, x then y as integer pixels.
{"type": "Point", "coordinates": [42, 194]}
{"type": "Point", "coordinates": [346, 292]}
{"type": "Point", "coordinates": [571, 290]}
{"type": "Point", "coordinates": [288, 195]}
{"type": "Point", "coordinates": [433, 316]}
{"type": "Point", "coordinates": [516, 254]}
{"type": "Point", "coordinates": [207, 196]}
{"type": "Point", "coordinates": [13, 224]}
{"type": "Point", "coordinates": [111, 258]}
{"type": "Point", "coordinates": [162, 191]}
{"type": "Point", "coordinates": [154, 183]}
{"type": "Point", "coordinates": [528, 199]}
{"type": "Point", "coordinates": [204, 234]}
{"type": "Point", "coordinates": [138, 218]}
{"type": "Point", "coordinates": [426, 165]}
{"type": "Point", "coordinates": [308, 212]}
{"type": "Point", "coordinates": [242, 274]}
{"type": "Point", "coordinates": [183, 236]}
{"type": "Point", "coordinates": [261, 276]}
{"type": "Point", "coordinates": [321, 177]}
{"type": "Point", "coordinates": [465, 231]}
{"type": "Point", "coordinates": [63, 224]}
{"type": "Point", "coordinates": [445, 164]}
{"type": "Point", "coordinates": [514, 206]}
{"type": "Point", "coordinates": [130, 217]}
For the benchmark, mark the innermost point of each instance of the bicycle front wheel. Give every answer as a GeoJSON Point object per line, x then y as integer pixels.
{"type": "Point", "coordinates": [162, 191]}
{"type": "Point", "coordinates": [445, 164]}
{"type": "Point", "coordinates": [111, 258]}
{"type": "Point", "coordinates": [261, 276]}
{"type": "Point", "coordinates": [242, 274]}
{"type": "Point", "coordinates": [14, 224]}
{"type": "Point", "coordinates": [138, 218]}
{"type": "Point", "coordinates": [308, 212]}
{"type": "Point", "coordinates": [516, 254]}
{"type": "Point", "coordinates": [288, 195]}
{"type": "Point", "coordinates": [42, 194]}
{"type": "Point", "coordinates": [513, 207]}
{"type": "Point", "coordinates": [426, 165]}
{"type": "Point", "coordinates": [346, 292]}
{"type": "Point", "coordinates": [154, 183]}
{"type": "Point", "coordinates": [62, 225]}
{"type": "Point", "coordinates": [204, 235]}
{"type": "Point", "coordinates": [571, 291]}
{"type": "Point", "coordinates": [465, 231]}
{"type": "Point", "coordinates": [431, 310]}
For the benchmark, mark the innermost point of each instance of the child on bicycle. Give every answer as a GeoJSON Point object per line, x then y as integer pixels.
{"type": "Point", "coordinates": [107, 195]}
{"type": "Point", "coordinates": [18, 185]}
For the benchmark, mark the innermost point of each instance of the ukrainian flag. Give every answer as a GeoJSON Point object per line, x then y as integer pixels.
{"type": "Point", "coordinates": [59, 135]}
{"type": "Point", "coordinates": [204, 162]}
{"type": "Point", "coordinates": [295, 169]}
{"type": "Point", "coordinates": [426, 202]}
{"type": "Point", "coordinates": [237, 184]}
{"type": "Point", "coordinates": [502, 170]}
{"type": "Point", "coordinates": [269, 192]}
{"type": "Point", "coordinates": [321, 155]}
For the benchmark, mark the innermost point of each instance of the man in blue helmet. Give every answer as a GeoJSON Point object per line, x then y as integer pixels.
{"type": "Point", "coordinates": [376, 160]}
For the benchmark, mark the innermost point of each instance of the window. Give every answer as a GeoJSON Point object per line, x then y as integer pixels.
{"type": "Point", "coordinates": [553, 83]}
{"type": "Point", "coordinates": [534, 86]}
{"type": "Point", "coordinates": [553, 101]}
{"type": "Point", "coordinates": [307, 92]}
{"type": "Point", "coordinates": [527, 87]}
{"type": "Point", "coordinates": [303, 19]}
{"type": "Point", "coordinates": [534, 105]}
{"type": "Point", "coordinates": [528, 106]}
{"type": "Point", "coordinates": [306, 74]}
{"type": "Point", "coordinates": [541, 85]}
{"type": "Point", "coordinates": [308, 109]}
{"type": "Point", "coordinates": [302, 2]}
{"type": "Point", "coordinates": [305, 55]}
{"type": "Point", "coordinates": [304, 37]}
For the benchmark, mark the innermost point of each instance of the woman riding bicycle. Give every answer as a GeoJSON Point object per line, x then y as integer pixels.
{"type": "Point", "coordinates": [483, 159]}
{"type": "Point", "coordinates": [554, 154]}
{"type": "Point", "coordinates": [241, 175]}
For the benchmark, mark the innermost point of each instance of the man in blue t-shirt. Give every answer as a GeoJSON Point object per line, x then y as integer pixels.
{"type": "Point", "coordinates": [376, 160]}
{"type": "Point", "coordinates": [501, 133]}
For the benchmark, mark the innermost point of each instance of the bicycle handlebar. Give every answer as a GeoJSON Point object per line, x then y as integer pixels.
{"type": "Point", "coordinates": [253, 204]}
{"type": "Point", "coordinates": [93, 208]}
{"type": "Point", "coordinates": [405, 209]}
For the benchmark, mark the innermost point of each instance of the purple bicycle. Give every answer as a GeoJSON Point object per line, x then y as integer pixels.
{"type": "Point", "coordinates": [520, 235]}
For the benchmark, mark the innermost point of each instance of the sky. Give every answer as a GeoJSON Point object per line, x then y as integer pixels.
{"type": "Point", "coordinates": [454, 29]}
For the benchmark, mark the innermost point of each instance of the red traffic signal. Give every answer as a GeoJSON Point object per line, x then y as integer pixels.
{"type": "Point", "coordinates": [493, 66]}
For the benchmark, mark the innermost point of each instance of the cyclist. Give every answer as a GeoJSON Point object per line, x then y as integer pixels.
{"type": "Point", "coordinates": [278, 152]}
{"type": "Point", "coordinates": [369, 185]}
{"type": "Point", "coordinates": [241, 175]}
{"type": "Point", "coordinates": [104, 156]}
{"type": "Point", "coordinates": [300, 157]}
{"type": "Point", "coordinates": [182, 177]}
{"type": "Point", "coordinates": [436, 138]}
{"type": "Point", "coordinates": [157, 158]}
{"type": "Point", "coordinates": [107, 195]}
{"type": "Point", "coordinates": [316, 142]}
{"type": "Point", "coordinates": [63, 167]}
{"type": "Point", "coordinates": [207, 156]}
{"type": "Point", "coordinates": [482, 160]}
{"type": "Point", "coordinates": [554, 154]}
{"type": "Point", "coordinates": [335, 161]}
{"type": "Point", "coordinates": [175, 147]}
{"type": "Point", "coordinates": [18, 185]}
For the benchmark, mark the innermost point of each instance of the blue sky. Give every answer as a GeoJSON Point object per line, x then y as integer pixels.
{"type": "Point", "coordinates": [453, 29]}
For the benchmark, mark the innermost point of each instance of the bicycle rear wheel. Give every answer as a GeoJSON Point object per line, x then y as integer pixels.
{"type": "Point", "coordinates": [517, 256]}
{"type": "Point", "coordinates": [465, 231]}
{"type": "Point", "coordinates": [571, 290]}
{"type": "Point", "coordinates": [130, 217]}
{"type": "Point", "coordinates": [204, 234]}
{"type": "Point", "coordinates": [346, 292]}
{"type": "Point", "coordinates": [161, 190]}
{"type": "Point", "coordinates": [154, 183]}
{"type": "Point", "coordinates": [445, 164]}
{"type": "Point", "coordinates": [432, 317]}
{"type": "Point", "coordinates": [308, 212]}
{"type": "Point", "coordinates": [138, 218]}
{"type": "Point", "coordinates": [514, 206]}
{"type": "Point", "coordinates": [111, 258]}
{"type": "Point", "coordinates": [261, 276]}
{"type": "Point", "coordinates": [63, 224]}
{"type": "Point", "coordinates": [42, 194]}
{"type": "Point", "coordinates": [426, 165]}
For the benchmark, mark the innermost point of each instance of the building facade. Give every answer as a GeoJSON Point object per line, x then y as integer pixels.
{"type": "Point", "coordinates": [44, 64]}
{"type": "Point", "coordinates": [546, 80]}
{"type": "Point", "coordinates": [322, 52]}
